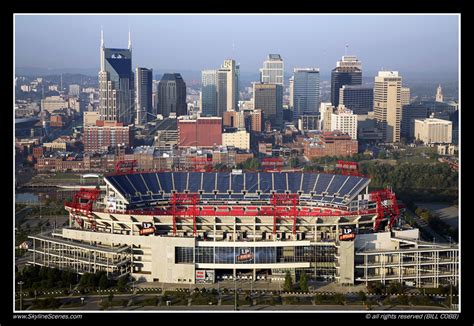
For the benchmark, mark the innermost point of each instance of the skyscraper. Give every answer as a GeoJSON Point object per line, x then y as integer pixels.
{"type": "Point", "coordinates": [209, 93]}
{"type": "Point", "coordinates": [405, 96]}
{"type": "Point", "coordinates": [116, 98]}
{"type": "Point", "coordinates": [273, 70]}
{"type": "Point", "coordinates": [154, 98]}
{"type": "Point", "coordinates": [348, 71]}
{"type": "Point", "coordinates": [269, 99]}
{"type": "Point", "coordinates": [227, 87]}
{"type": "Point", "coordinates": [358, 98]}
{"type": "Point", "coordinates": [387, 104]}
{"type": "Point", "coordinates": [292, 91]}
{"type": "Point", "coordinates": [305, 92]}
{"type": "Point", "coordinates": [172, 95]}
{"type": "Point", "coordinates": [143, 98]}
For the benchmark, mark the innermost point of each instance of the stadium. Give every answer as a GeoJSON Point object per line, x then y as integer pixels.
{"type": "Point", "coordinates": [200, 227]}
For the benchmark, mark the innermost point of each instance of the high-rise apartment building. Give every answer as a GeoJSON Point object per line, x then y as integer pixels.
{"type": "Point", "coordinates": [256, 121]}
{"type": "Point", "coordinates": [348, 71]}
{"type": "Point", "coordinates": [209, 93]}
{"type": "Point", "coordinates": [387, 104]}
{"type": "Point", "coordinates": [106, 135]}
{"type": "Point", "coordinates": [358, 98]}
{"type": "Point", "coordinates": [326, 110]}
{"type": "Point", "coordinates": [305, 92]}
{"type": "Point", "coordinates": [269, 99]}
{"type": "Point", "coordinates": [344, 120]}
{"type": "Point", "coordinates": [172, 95]}
{"type": "Point", "coordinates": [116, 86]}
{"type": "Point", "coordinates": [273, 70]}
{"type": "Point", "coordinates": [143, 95]}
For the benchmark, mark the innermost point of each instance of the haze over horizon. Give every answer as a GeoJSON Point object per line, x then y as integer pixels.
{"type": "Point", "coordinates": [413, 43]}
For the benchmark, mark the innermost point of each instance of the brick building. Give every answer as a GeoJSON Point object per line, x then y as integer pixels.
{"type": "Point", "coordinates": [201, 132]}
{"type": "Point", "coordinates": [105, 134]}
{"type": "Point", "coordinates": [330, 144]}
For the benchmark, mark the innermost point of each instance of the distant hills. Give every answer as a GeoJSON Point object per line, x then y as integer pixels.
{"type": "Point", "coordinates": [420, 82]}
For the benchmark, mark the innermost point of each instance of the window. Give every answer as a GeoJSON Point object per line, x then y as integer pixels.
{"type": "Point", "coordinates": [205, 255]}
{"type": "Point", "coordinates": [184, 255]}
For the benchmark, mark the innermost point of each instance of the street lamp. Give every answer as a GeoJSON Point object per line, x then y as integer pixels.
{"type": "Point", "coordinates": [21, 294]}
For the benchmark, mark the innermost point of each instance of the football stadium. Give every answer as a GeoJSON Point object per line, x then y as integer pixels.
{"type": "Point", "coordinates": [201, 227]}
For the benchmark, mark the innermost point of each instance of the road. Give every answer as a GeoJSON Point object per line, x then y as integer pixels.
{"type": "Point", "coordinates": [425, 227]}
{"type": "Point", "coordinates": [19, 216]}
{"type": "Point", "coordinates": [93, 303]}
{"type": "Point", "coordinates": [447, 213]}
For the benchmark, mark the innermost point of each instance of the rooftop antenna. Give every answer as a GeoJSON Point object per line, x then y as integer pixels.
{"type": "Point", "coordinates": [101, 36]}
{"type": "Point", "coordinates": [345, 50]}
{"type": "Point", "coordinates": [129, 39]}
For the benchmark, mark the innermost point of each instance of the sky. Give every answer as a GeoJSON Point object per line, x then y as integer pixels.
{"type": "Point", "coordinates": [415, 43]}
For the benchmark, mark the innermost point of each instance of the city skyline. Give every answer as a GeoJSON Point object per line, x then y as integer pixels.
{"type": "Point", "coordinates": [166, 41]}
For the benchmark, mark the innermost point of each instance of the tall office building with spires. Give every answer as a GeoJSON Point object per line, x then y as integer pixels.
{"type": "Point", "coordinates": [116, 86]}
{"type": "Point", "coordinates": [348, 71]}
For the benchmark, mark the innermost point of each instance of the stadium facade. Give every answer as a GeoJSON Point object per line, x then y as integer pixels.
{"type": "Point", "coordinates": [193, 227]}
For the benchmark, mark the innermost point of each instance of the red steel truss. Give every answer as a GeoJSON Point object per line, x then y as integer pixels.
{"type": "Point", "coordinates": [186, 199]}
{"type": "Point", "coordinates": [281, 202]}
{"type": "Point", "coordinates": [82, 204]}
{"type": "Point", "coordinates": [348, 168]}
{"type": "Point", "coordinates": [125, 166]}
{"type": "Point", "coordinates": [272, 163]}
{"type": "Point", "coordinates": [386, 202]}
{"type": "Point", "coordinates": [252, 210]}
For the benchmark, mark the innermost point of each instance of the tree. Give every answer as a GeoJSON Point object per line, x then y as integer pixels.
{"type": "Point", "coordinates": [103, 281]}
{"type": "Point", "coordinates": [362, 296]}
{"type": "Point", "coordinates": [395, 287]}
{"type": "Point", "coordinates": [382, 155]}
{"type": "Point", "coordinates": [288, 282]}
{"type": "Point", "coordinates": [251, 164]}
{"type": "Point", "coordinates": [303, 282]}
{"type": "Point", "coordinates": [122, 282]}
{"type": "Point", "coordinates": [294, 162]}
{"type": "Point", "coordinates": [375, 287]}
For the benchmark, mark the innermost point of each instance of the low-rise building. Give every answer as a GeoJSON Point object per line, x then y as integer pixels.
{"type": "Point", "coordinates": [330, 144]}
{"type": "Point", "coordinates": [431, 131]}
{"type": "Point", "coordinates": [239, 139]}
